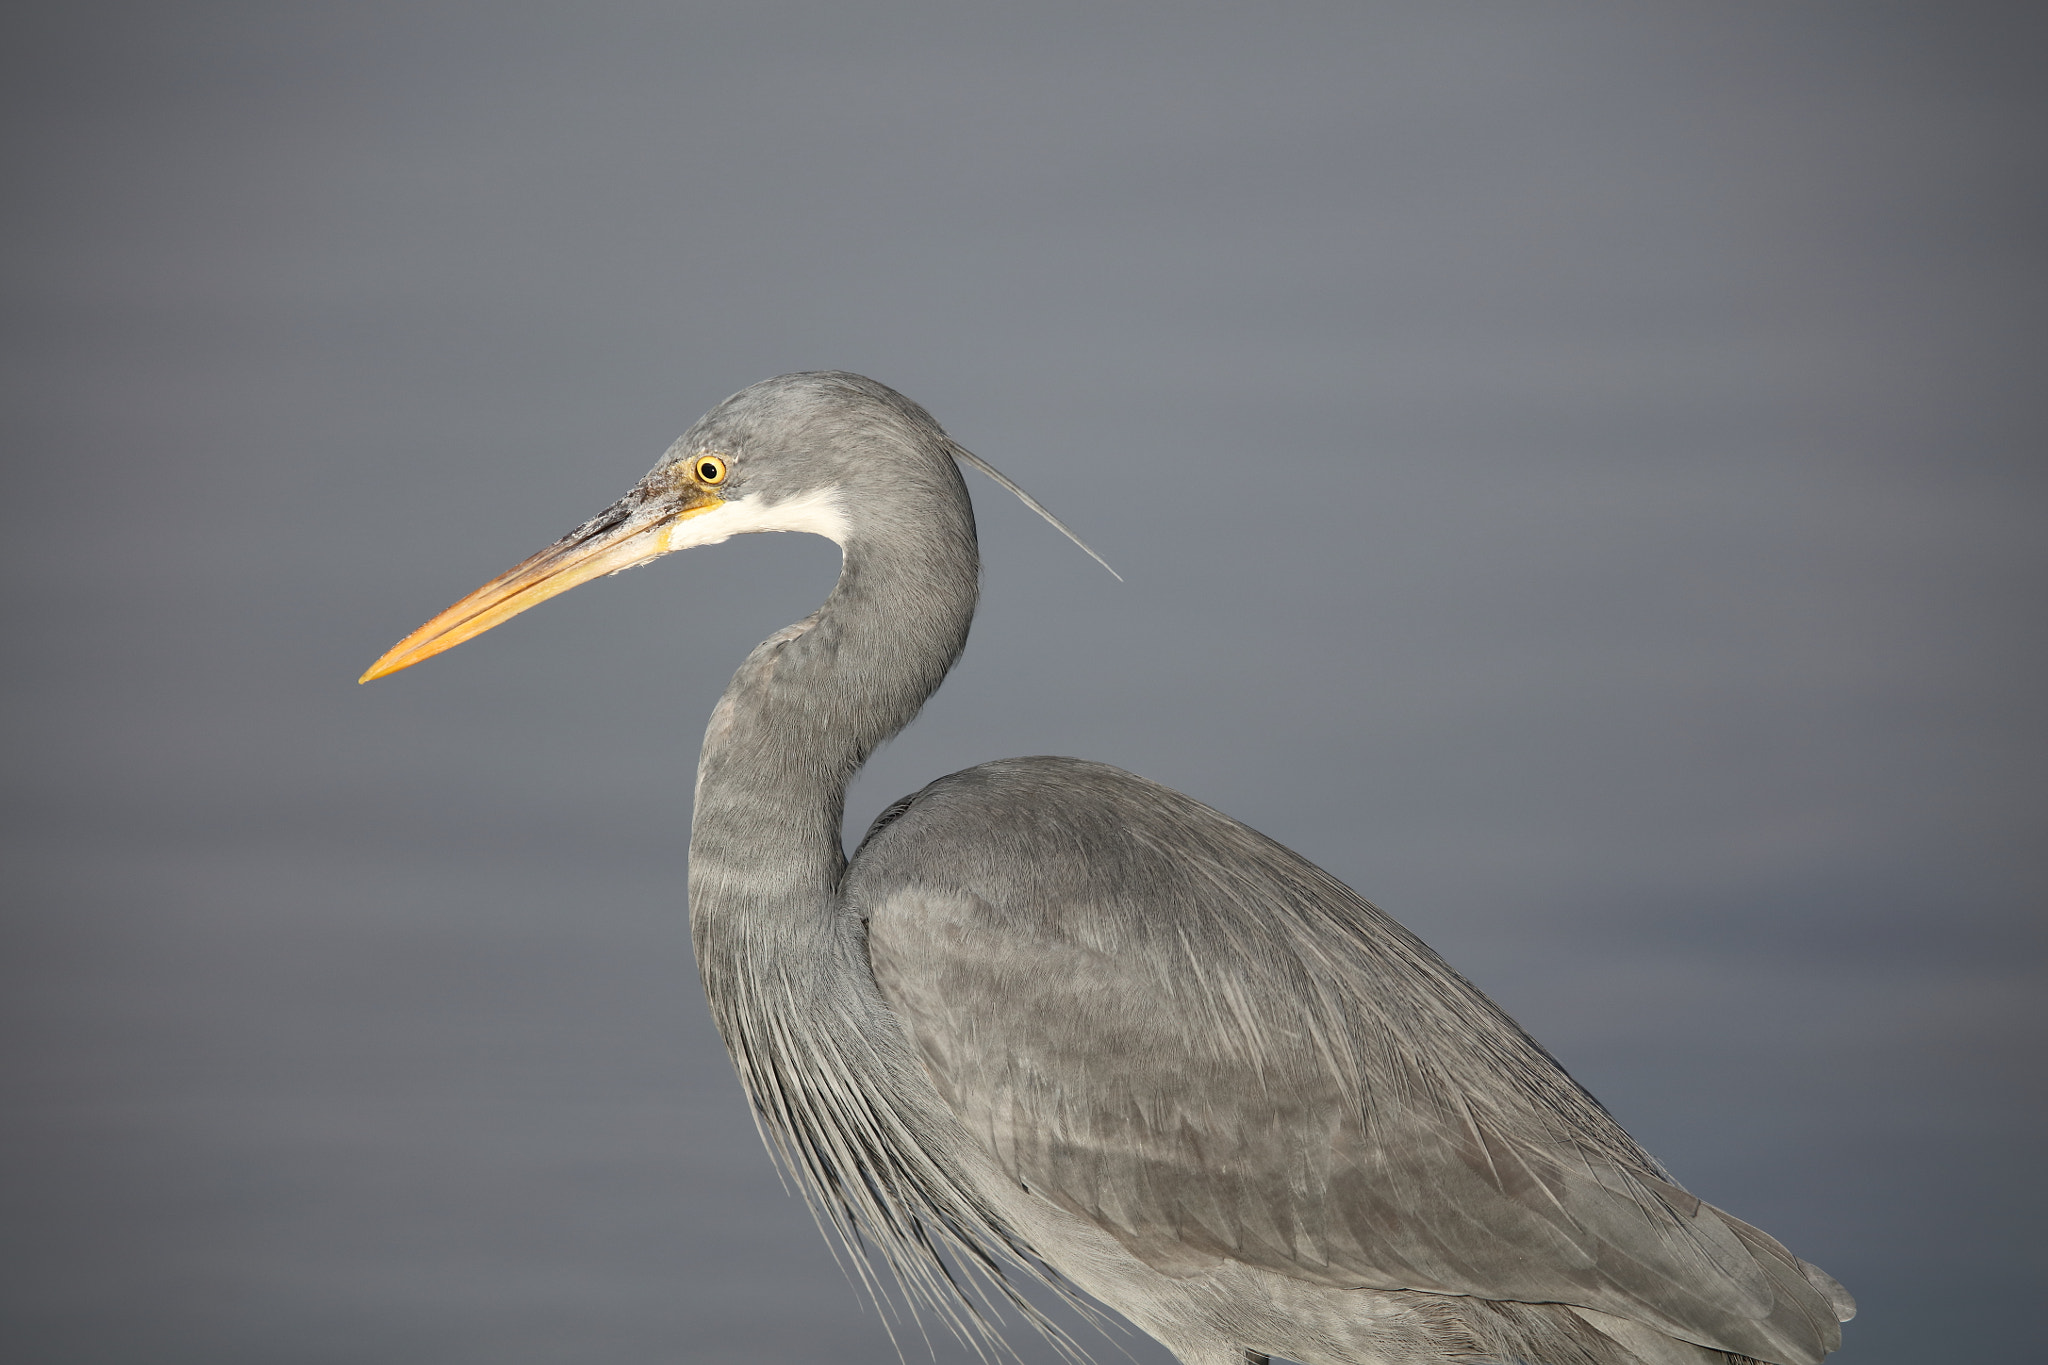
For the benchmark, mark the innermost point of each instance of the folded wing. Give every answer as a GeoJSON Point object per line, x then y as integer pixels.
{"type": "Point", "coordinates": [1176, 1028]}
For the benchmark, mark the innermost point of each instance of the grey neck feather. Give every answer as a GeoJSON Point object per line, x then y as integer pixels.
{"type": "Point", "coordinates": [808, 707]}
{"type": "Point", "coordinates": [784, 967]}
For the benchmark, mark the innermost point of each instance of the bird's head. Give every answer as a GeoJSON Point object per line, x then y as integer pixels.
{"type": "Point", "coordinates": [834, 454]}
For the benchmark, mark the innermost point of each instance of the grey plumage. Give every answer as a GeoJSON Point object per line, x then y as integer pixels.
{"type": "Point", "coordinates": [1054, 1017]}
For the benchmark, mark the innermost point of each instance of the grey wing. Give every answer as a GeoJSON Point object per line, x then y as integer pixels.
{"type": "Point", "coordinates": [1174, 1027]}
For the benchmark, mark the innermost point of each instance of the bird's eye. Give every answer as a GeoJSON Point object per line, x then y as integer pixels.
{"type": "Point", "coordinates": [710, 469]}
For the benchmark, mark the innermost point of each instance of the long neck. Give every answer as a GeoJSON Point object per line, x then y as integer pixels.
{"type": "Point", "coordinates": [833, 1079]}
{"type": "Point", "coordinates": [800, 717]}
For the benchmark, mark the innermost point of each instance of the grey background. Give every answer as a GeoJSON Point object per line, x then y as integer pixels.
{"type": "Point", "coordinates": [1578, 473]}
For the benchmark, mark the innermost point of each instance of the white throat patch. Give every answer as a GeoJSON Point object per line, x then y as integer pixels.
{"type": "Point", "coordinates": [818, 513]}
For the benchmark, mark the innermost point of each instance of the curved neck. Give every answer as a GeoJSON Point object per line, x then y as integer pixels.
{"type": "Point", "coordinates": [834, 1081]}
{"type": "Point", "coordinates": [804, 712]}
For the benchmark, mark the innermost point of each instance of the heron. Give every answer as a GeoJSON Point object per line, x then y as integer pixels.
{"type": "Point", "coordinates": [1054, 1023]}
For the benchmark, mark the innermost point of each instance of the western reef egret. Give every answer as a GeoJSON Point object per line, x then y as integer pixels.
{"type": "Point", "coordinates": [1054, 1020]}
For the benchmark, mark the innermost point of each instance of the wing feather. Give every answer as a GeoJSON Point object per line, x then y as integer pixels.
{"type": "Point", "coordinates": [1176, 1028]}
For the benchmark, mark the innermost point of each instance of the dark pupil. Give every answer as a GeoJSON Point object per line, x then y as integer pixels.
{"type": "Point", "coordinates": [707, 470]}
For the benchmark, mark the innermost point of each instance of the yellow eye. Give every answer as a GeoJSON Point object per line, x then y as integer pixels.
{"type": "Point", "coordinates": [709, 469]}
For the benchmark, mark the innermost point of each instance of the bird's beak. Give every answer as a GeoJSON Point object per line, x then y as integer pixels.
{"type": "Point", "coordinates": [631, 531]}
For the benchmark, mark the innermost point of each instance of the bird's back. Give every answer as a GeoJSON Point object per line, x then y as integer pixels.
{"type": "Point", "coordinates": [1178, 1030]}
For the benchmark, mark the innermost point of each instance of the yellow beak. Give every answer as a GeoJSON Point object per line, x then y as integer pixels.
{"type": "Point", "coordinates": [629, 533]}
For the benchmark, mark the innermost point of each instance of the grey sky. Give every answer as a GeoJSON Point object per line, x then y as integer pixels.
{"type": "Point", "coordinates": [1577, 471]}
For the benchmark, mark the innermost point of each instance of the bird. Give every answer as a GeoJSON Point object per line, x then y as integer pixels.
{"type": "Point", "coordinates": [1054, 1024]}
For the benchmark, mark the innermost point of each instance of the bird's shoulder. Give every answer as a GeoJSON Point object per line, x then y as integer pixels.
{"type": "Point", "coordinates": [1067, 858]}
{"type": "Point", "coordinates": [1062, 834]}
{"type": "Point", "coordinates": [1076, 872]}
{"type": "Point", "coordinates": [1072, 860]}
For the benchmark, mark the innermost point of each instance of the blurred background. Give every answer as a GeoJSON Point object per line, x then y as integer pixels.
{"type": "Point", "coordinates": [1577, 470]}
